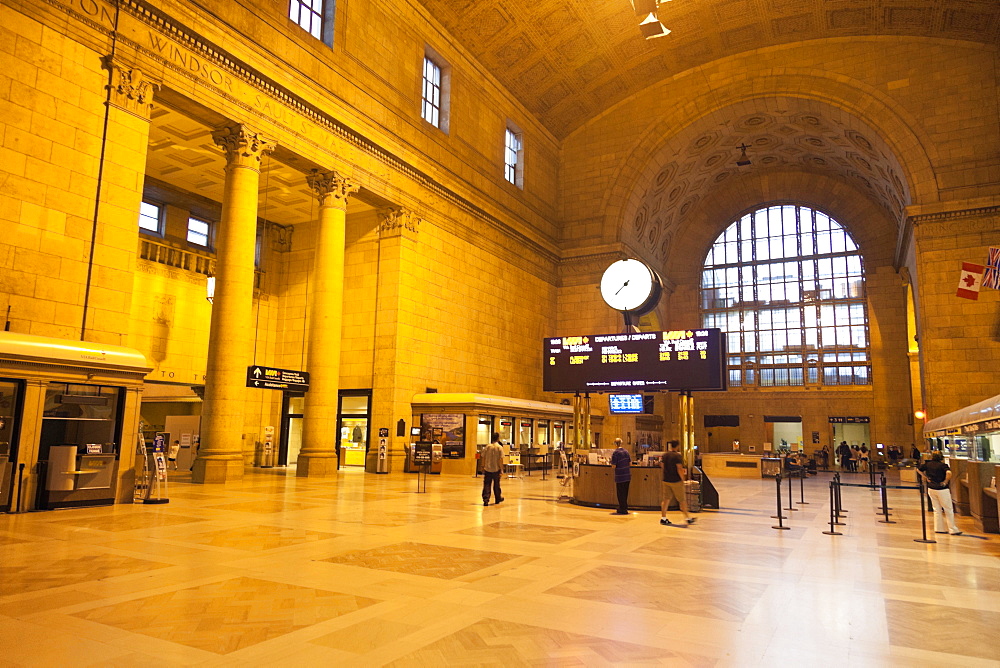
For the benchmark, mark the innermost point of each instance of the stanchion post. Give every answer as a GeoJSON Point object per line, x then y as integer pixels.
{"type": "Point", "coordinates": [885, 504]}
{"type": "Point", "coordinates": [836, 502]}
{"type": "Point", "coordinates": [923, 515]}
{"type": "Point", "coordinates": [832, 531]}
{"type": "Point", "coordinates": [791, 503]}
{"type": "Point", "coordinates": [802, 489]}
{"type": "Point", "coordinates": [777, 486]}
{"type": "Point", "coordinates": [840, 507]}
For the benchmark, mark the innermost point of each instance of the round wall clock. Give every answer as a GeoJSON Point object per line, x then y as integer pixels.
{"type": "Point", "coordinates": [632, 286]}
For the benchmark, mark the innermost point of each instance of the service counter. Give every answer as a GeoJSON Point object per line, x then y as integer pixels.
{"type": "Point", "coordinates": [731, 465]}
{"type": "Point", "coordinates": [595, 487]}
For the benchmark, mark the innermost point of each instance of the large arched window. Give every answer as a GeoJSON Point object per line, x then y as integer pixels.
{"type": "Point", "coordinates": [786, 283]}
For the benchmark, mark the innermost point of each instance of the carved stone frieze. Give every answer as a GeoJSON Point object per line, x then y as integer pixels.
{"type": "Point", "coordinates": [244, 146]}
{"type": "Point", "coordinates": [396, 220]}
{"type": "Point", "coordinates": [332, 188]}
{"type": "Point", "coordinates": [130, 89]}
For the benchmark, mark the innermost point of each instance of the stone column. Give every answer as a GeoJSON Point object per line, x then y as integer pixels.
{"type": "Point", "coordinates": [116, 239]}
{"type": "Point", "coordinates": [393, 381]}
{"type": "Point", "coordinates": [318, 456]}
{"type": "Point", "coordinates": [230, 343]}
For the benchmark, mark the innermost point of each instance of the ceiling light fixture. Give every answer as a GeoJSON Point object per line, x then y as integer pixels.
{"type": "Point", "coordinates": [652, 28]}
{"type": "Point", "coordinates": [650, 25]}
{"type": "Point", "coordinates": [743, 160]}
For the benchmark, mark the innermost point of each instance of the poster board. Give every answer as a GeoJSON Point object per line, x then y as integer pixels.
{"type": "Point", "coordinates": [448, 429]}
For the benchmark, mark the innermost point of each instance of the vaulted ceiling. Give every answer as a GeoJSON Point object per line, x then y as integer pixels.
{"type": "Point", "coordinates": [569, 60]}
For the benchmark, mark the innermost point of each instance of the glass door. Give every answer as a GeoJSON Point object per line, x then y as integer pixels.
{"type": "Point", "coordinates": [10, 411]}
{"type": "Point", "coordinates": [292, 410]}
{"type": "Point", "coordinates": [353, 417]}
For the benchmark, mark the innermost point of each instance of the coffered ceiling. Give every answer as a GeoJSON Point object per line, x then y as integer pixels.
{"type": "Point", "coordinates": [568, 60]}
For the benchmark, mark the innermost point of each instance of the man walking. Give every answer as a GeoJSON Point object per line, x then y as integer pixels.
{"type": "Point", "coordinates": [674, 475]}
{"type": "Point", "coordinates": [492, 459]}
{"type": "Point", "coordinates": [622, 462]}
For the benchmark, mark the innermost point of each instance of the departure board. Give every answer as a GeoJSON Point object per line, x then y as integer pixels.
{"type": "Point", "coordinates": [692, 359]}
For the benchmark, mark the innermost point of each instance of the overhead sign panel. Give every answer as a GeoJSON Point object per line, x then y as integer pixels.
{"type": "Point", "coordinates": [269, 378]}
{"type": "Point", "coordinates": [642, 361]}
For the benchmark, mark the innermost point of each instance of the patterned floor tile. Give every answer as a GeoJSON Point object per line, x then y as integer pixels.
{"type": "Point", "coordinates": [257, 538]}
{"type": "Point", "coordinates": [434, 561]}
{"type": "Point", "coordinates": [940, 628]}
{"type": "Point", "coordinates": [127, 522]}
{"type": "Point", "coordinates": [717, 550]}
{"type": "Point", "coordinates": [956, 575]}
{"type": "Point", "coordinates": [493, 642]}
{"type": "Point", "coordinates": [669, 592]}
{"type": "Point", "coordinates": [230, 615]}
{"type": "Point", "coordinates": [19, 573]}
{"type": "Point", "coordinates": [539, 533]}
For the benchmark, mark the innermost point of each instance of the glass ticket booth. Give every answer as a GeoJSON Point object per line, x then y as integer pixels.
{"type": "Point", "coordinates": [506, 431]}
{"type": "Point", "coordinates": [70, 422]}
{"type": "Point", "coordinates": [526, 428]}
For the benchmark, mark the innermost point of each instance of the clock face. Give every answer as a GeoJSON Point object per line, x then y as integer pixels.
{"type": "Point", "coordinates": [628, 285]}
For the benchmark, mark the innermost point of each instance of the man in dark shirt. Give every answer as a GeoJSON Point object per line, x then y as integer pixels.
{"type": "Point", "coordinates": [674, 475]}
{"type": "Point", "coordinates": [622, 461]}
{"type": "Point", "coordinates": [937, 475]}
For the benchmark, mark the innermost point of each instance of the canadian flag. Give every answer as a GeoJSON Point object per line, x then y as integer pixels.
{"type": "Point", "coordinates": [971, 281]}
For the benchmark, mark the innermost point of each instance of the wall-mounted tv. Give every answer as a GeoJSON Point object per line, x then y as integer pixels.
{"type": "Point", "coordinates": [625, 403]}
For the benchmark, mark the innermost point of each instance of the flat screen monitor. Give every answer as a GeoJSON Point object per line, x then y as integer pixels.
{"type": "Point", "coordinates": [636, 362]}
{"type": "Point", "coordinates": [625, 403]}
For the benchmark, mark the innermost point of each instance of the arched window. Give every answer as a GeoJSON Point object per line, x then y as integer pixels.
{"type": "Point", "coordinates": [786, 283]}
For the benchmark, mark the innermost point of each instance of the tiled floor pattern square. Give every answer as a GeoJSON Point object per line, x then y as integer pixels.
{"type": "Point", "coordinates": [538, 533]}
{"type": "Point", "coordinates": [223, 617]}
{"type": "Point", "coordinates": [434, 561]}
{"type": "Point", "coordinates": [361, 570]}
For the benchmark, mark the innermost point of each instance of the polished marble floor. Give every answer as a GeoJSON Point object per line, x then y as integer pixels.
{"type": "Point", "coordinates": [362, 570]}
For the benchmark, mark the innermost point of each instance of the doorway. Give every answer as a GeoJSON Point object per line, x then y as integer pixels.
{"type": "Point", "coordinates": [293, 410]}
{"type": "Point", "coordinates": [10, 408]}
{"type": "Point", "coordinates": [353, 416]}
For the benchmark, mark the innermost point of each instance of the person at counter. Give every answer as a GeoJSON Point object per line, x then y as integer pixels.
{"type": "Point", "coordinates": [622, 461]}
{"type": "Point", "coordinates": [937, 475]}
{"type": "Point", "coordinates": [674, 475]}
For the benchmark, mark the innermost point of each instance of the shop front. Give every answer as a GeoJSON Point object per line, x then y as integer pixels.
{"type": "Point", "coordinates": [530, 431]}
{"type": "Point", "coordinates": [69, 422]}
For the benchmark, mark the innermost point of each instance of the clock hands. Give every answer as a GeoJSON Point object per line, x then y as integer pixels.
{"type": "Point", "coordinates": [624, 285]}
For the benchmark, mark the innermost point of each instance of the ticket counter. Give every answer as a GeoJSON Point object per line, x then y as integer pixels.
{"type": "Point", "coordinates": [595, 487]}
{"type": "Point", "coordinates": [731, 465]}
{"type": "Point", "coordinates": [68, 437]}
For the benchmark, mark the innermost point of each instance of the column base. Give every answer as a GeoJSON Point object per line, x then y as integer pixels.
{"type": "Point", "coordinates": [217, 470]}
{"type": "Point", "coordinates": [316, 466]}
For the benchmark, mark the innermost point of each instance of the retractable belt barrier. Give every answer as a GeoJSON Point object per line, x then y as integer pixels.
{"type": "Point", "coordinates": [836, 510]}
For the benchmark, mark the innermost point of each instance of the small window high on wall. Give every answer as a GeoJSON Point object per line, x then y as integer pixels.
{"type": "Point", "coordinates": [313, 16]}
{"type": "Point", "coordinates": [199, 232]}
{"type": "Point", "coordinates": [513, 160]}
{"type": "Point", "coordinates": [787, 284]}
{"type": "Point", "coordinates": [151, 218]}
{"type": "Point", "coordinates": [435, 87]}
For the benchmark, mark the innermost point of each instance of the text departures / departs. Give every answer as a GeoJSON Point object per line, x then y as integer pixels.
{"type": "Point", "coordinates": [644, 361]}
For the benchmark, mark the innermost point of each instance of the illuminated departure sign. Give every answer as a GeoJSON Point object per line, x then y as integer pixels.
{"type": "Point", "coordinates": [643, 361]}
{"type": "Point", "coordinates": [625, 403]}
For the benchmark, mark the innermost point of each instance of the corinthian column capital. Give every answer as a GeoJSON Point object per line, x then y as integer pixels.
{"type": "Point", "coordinates": [396, 219]}
{"type": "Point", "coordinates": [244, 147]}
{"type": "Point", "coordinates": [332, 188]}
{"type": "Point", "coordinates": [130, 89]}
